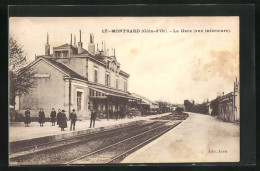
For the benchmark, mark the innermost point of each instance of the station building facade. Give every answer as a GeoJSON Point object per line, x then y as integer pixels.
{"type": "Point", "coordinates": [75, 78]}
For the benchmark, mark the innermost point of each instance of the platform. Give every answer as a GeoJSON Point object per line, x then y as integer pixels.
{"type": "Point", "coordinates": [200, 138]}
{"type": "Point", "coordinates": [18, 132]}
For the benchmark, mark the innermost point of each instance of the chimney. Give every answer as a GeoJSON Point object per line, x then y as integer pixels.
{"type": "Point", "coordinates": [47, 46]}
{"type": "Point", "coordinates": [97, 48]}
{"type": "Point", "coordinates": [80, 44]}
{"type": "Point", "coordinates": [71, 39]}
{"type": "Point", "coordinates": [236, 85]}
{"type": "Point", "coordinates": [222, 93]}
{"type": "Point", "coordinates": [75, 41]}
{"type": "Point", "coordinates": [114, 52]}
{"type": "Point", "coordinates": [91, 45]}
{"type": "Point", "coordinates": [105, 49]}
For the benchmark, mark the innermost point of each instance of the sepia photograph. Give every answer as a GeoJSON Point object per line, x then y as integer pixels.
{"type": "Point", "coordinates": [109, 90]}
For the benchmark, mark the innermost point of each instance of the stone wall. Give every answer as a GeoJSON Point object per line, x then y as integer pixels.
{"type": "Point", "coordinates": [48, 94]}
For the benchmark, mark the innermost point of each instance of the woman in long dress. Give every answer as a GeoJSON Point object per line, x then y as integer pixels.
{"type": "Point", "coordinates": [41, 117]}
{"type": "Point", "coordinates": [58, 117]}
{"type": "Point", "coordinates": [53, 117]}
{"type": "Point", "coordinates": [63, 120]}
{"type": "Point", "coordinates": [27, 117]}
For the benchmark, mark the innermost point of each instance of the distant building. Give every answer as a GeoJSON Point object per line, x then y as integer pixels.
{"type": "Point", "coordinates": [146, 103]}
{"type": "Point", "coordinates": [209, 108]}
{"type": "Point", "coordinates": [75, 78]}
{"type": "Point", "coordinates": [229, 105]}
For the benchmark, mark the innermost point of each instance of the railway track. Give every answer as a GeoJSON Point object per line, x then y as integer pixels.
{"type": "Point", "coordinates": [27, 147]}
{"type": "Point", "coordinates": [64, 145]}
{"type": "Point", "coordinates": [110, 146]}
{"type": "Point", "coordinates": [37, 147]}
{"type": "Point", "coordinates": [107, 154]}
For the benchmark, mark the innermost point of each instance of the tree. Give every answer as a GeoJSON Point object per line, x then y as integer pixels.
{"type": "Point", "coordinates": [179, 109]}
{"type": "Point", "coordinates": [214, 104]}
{"type": "Point", "coordinates": [21, 78]}
{"type": "Point", "coordinates": [188, 105]}
{"type": "Point", "coordinates": [200, 108]}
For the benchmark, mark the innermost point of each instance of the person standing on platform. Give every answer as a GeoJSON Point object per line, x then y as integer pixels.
{"type": "Point", "coordinates": [58, 117]}
{"type": "Point", "coordinates": [53, 117]}
{"type": "Point", "coordinates": [93, 117]}
{"type": "Point", "coordinates": [27, 117]}
{"type": "Point", "coordinates": [63, 120]}
{"type": "Point", "coordinates": [73, 119]}
{"type": "Point", "coordinates": [116, 114]}
{"type": "Point", "coordinates": [41, 117]}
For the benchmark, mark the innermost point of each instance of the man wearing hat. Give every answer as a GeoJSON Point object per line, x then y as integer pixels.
{"type": "Point", "coordinates": [73, 119]}
{"type": "Point", "coordinates": [93, 117]}
{"type": "Point", "coordinates": [63, 120]}
{"type": "Point", "coordinates": [53, 117]}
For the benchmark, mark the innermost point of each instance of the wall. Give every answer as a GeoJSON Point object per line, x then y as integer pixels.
{"type": "Point", "coordinates": [77, 64]}
{"type": "Point", "coordinates": [101, 72]}
{"type": "Point", "coordinates": [101, 75]}
{"type": "Point", "coordinates": [121, 82]}
{"type": "Point", "coordinates": [237, 105]}
{"type": "Point", "coordinates": [48, 94]}
{"type": "Point", "coordinates": [84, 113]}
{"type": "Point", "coordinates": [226, 108]}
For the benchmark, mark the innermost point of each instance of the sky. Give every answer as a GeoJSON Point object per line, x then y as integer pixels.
{"type": "Point", "coordinates": [170, 66]}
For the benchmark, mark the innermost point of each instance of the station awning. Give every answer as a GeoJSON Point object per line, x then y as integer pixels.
{"type": "Point", "coordinates": [97, 92]}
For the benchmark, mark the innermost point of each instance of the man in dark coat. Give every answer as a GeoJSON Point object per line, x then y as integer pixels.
{"type": "Point", "coordinates": [53, 117]}
{"type": "Point", "coordinates": [41, 117]}
{"type": "Point", "coordinates": [116, 114]}
{"type": "Point", "coordinates": [73, 119]}
{"type": "Point", "coordinates": [93, 117]}
{"type": "Point", "coordinates": [63, 120]}
{"type": "Point", "coordinates": [27, 117]}
{"type": "Point", "coordinates": [58, 117]}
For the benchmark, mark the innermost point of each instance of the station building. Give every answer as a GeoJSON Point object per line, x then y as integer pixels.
{"type": "Point", "coordinates": [145, 105]}
{"type": "Point", "coordinates": [75, 78]}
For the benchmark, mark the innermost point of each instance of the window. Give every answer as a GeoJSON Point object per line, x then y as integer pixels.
{"type": "Point", "coordinates": [107, 79]}
{"type": "Point", "coordinates": [79, 99]}
{"type": "Point", "coordinates": [91, 93]}
{"type": "Point", "coordinates": [95, 75]}
{"type": "Point", "coordinates": [117, 82]}
{"type": "Point", "coordinates": [57, 53]}
{"type": "Point", "coordinates": [65, 54]}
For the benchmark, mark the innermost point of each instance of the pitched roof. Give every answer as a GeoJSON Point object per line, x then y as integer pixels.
{"type": "Point", "coordinates": [63, 46]}
{"type": "Point", "coordinates": [84, 51]}
{"type": "Point", "coordinates": [144, 99]}
{"type": "Point", "coordinates": [66, 69]}
{"type": "Point", "coordinates": [112, 92]}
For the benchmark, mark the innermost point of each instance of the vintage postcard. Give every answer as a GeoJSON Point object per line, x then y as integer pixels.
{"type": "Point", "coordinates": [98, 90]}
